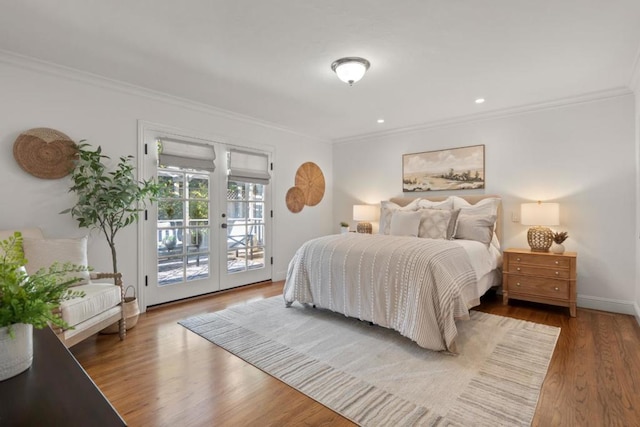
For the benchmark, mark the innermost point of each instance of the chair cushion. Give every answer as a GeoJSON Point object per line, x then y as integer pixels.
{"type": "Point", "coordinates": [41, 253]}
{"type": "Point", "coordinates": [99, 297]}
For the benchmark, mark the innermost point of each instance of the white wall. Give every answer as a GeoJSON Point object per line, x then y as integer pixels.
{"type": "Point", "coordinates": [636, 89]}
{"type": "Point", "coordinates": [582, 156]}
{"type": "Point", "coordinates": [106, 113]}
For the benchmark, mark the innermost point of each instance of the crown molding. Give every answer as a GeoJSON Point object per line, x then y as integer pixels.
{"type": "Point", "coordinates": [492, 115]}
{"type": "Point", "coordinates": [46, 67]}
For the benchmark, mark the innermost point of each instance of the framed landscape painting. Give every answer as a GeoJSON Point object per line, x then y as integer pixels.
{"type": "Point", "coordinates": [452, 169]}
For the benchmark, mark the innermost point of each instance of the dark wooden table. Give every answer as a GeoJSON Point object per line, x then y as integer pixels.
{"type": "Point", "coordinates": [54, 391]}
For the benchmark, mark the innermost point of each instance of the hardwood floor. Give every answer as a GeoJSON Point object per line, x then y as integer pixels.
{"type": "Point", "coordinates": [164, 375]}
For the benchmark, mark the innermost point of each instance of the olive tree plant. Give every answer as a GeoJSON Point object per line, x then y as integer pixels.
{"type": "Point", "coordinates": [108, 200]}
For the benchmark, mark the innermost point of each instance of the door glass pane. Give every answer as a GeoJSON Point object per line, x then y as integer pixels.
{"type": "Point", "coordinates": [245, 226]}
{"type": "Point", "coordinates": [183, 226]}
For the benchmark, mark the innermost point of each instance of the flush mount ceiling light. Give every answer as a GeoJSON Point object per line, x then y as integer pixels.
{"type": "Point", "coordinates": [350, 69]}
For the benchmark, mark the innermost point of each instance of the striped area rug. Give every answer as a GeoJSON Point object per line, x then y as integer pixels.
{"type": "Point", "coordinates": [376, 377]}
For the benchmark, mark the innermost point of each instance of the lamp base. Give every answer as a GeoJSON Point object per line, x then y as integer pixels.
{"type": "Point", "coordinates": [540, 238]}
{"type": "Point", "coordinates": [364, 227]}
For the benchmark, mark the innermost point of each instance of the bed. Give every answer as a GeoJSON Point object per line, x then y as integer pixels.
{"type": "Point", "coordinates": [418, 286]}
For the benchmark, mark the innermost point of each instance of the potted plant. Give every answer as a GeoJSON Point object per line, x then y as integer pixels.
{"type": "Point", "coordinates": [344, 227]}
{"type": "Point", "coordinates": [28, 301]}
{"type": "Point", "coordinates": [558, 239]}
{"type": "Point", "coordinates": [108, 200]}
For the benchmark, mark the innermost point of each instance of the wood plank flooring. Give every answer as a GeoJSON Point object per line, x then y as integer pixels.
{"type": "Point", "coordinates": [164, 375]}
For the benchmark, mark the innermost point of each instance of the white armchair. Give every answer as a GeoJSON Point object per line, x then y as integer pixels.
{"type": "Point", "coordinates": [102, 304]}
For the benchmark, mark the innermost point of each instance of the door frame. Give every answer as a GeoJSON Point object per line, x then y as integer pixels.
{"type": "Point", "coordinates": [146, 127]}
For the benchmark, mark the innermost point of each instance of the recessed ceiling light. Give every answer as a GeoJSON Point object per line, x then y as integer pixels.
{"type": "Point", "coordinates": [479, 100]}
{"type": "Point", "coordinates": [380, 120]}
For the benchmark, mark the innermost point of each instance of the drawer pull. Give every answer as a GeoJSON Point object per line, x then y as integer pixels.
{"type": "Point", "coordinates": [518, 284]}
{"type": "Point", "coordinates": [557, 273]}
{"type": "Point", "coordinates": [556, 288]}
{"type": "Point", "coordinates": [518, 259]}
{"type": "Point", "coordinates": [518, 268]}
{"type": "Point", "coordinates": [557, 262]}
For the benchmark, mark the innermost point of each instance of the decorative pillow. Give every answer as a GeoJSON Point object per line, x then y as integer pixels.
{"type": "Point", "coordinates": [405, 223]}
{"type": "Point", "coordinates": [386, 210]}
{"type": "Point", "coordinates": [41, 253]}
{"type": "Point", "coordinates": [475, 227]}
{"type": "Point", "coordinates": [428, 204]}
{"type": "Point", "coordinates": [434, 223]}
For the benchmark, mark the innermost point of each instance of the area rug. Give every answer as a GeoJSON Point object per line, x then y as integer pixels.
{"type": "Point", "coordinates": [375, 377]}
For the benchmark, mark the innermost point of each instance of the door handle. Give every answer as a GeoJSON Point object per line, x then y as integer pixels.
{"type": "Point", "coordinates": [224, 225]}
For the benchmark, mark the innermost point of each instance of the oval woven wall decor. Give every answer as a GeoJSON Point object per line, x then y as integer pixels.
{"type": "Point", "coordinates": [45, 153]}
{"type": "Point", "coordinates": [310, 179]}
{"type": "Point", "coordinates": [295, 199]}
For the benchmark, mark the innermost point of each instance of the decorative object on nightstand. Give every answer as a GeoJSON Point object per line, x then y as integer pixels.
{"type": "Point", "coordinates": [558, 238]}
{"type": "Point", "coordinates": [540, 215]}
{"type": "Point", "coordinates": [540, 277]}
{"type": "Point", "coordinates": [344, 227]}
{"type": "Point", "coordinates": [364, 214]}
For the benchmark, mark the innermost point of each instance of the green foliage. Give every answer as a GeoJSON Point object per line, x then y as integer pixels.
{"type": "Point", "coordinates": [560, 236]}
{"type": "Point", "coordinates": [32, 298]}
{"type": "Point", "coordinates": [108, 200]}
{"type": "Point", "coordinates": [344, 224]}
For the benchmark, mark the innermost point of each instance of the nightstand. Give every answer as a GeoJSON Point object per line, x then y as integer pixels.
{"type": "Point", "coordinates": [540, 277]}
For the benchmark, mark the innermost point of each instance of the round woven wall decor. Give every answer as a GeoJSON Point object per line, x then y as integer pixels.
{"type": "Point", "coordinates": [45, 153]}
{"type": "Point", "coordinates": [295, 199]}
{"type": "Point", "coordinates": [310, 179]}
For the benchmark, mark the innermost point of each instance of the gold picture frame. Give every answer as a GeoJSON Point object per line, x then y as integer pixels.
{"type": "Point", "coordinates": [460, 168]}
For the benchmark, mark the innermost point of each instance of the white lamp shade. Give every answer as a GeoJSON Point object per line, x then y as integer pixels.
{"type": "Point", "coordinates": [365, 212]}
{"type": "Point", "coordinates": [540, 214]}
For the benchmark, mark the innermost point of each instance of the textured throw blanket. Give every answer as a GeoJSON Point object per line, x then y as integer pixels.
{"type": "Point", "coordinates": [414, 286]}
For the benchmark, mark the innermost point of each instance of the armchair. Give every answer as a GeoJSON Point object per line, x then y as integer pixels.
{"type": "Point", "coordinates": [102, 304]}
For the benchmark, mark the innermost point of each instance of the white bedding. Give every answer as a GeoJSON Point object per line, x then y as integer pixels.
{"type": "Point", "coordinates": [413, 285]}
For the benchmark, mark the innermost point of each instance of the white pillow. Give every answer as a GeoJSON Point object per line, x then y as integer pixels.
{"type": "Point", "coordinates": [428, 204]}
{"type": "Point", "coordinates": [434, 223]}
{"type": "Point", "coordinates": [386, 210]}
{"type": "Point", "coordinates": [41, 253]}
{"type": "Point", "coordinates": [405, 223]}
{"type": "Point", "coordinates": [488, 206]}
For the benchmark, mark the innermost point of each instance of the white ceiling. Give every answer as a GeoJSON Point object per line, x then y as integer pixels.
{"type": "Point", "coordinates": [430, 59]}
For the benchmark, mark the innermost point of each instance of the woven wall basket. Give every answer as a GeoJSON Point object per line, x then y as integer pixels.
{"type": "Point", "coordinates": [310, 179]}
{"type": "Point", "coordinates": [45, 153]}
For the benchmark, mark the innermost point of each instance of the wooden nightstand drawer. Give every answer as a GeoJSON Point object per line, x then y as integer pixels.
{"type": "Point", "coordinates": [538, 287]}
{"type": "Point", "coordinates": [555, 273]}
{"type": "Point", "coordinates": [543, 261]}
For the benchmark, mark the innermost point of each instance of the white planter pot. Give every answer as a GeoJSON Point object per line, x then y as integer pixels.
{"type": "Point", "coordinates": [344, 230]}
{"type": "Point", "coordinates": [16, 354]}
{"type": "Point", "coordinates": [557, 248]}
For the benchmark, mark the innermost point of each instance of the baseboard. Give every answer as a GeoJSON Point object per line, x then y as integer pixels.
{"type": "Point", "coordinates": [606, 304]}
{"type": "Point", "coordinates": [637, 307]}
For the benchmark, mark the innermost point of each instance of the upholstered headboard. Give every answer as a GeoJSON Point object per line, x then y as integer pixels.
{"type": "Point", "coordinates": [473, 199]}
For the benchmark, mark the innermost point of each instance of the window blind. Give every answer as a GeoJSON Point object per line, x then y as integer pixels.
{"type": "Point", "coordinates": [248, 166]}
{"type": "Point", "coordinates": [188, 155]}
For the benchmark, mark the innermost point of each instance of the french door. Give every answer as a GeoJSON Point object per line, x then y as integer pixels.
{"type": "Point", "coordinates": [210, 229]}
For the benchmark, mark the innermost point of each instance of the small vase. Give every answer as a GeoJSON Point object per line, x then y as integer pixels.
{"type": "Point", "coordinates": [557, 248]}
{"type": "Point", "coordinates": [344, 230]}
{"type": "Point", "coordinates": [16, 354]}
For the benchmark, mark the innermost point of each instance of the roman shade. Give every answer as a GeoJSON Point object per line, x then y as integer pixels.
{"type": "Point", "coordinates": [188, 155]}
{"type": "Point", "coordinates": [248, 166]}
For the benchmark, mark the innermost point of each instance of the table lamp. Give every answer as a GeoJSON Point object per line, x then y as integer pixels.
{"type": "Point", "coordinates": [540, 215]}
{"type": "Point", "coordinates": [364, 214]}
